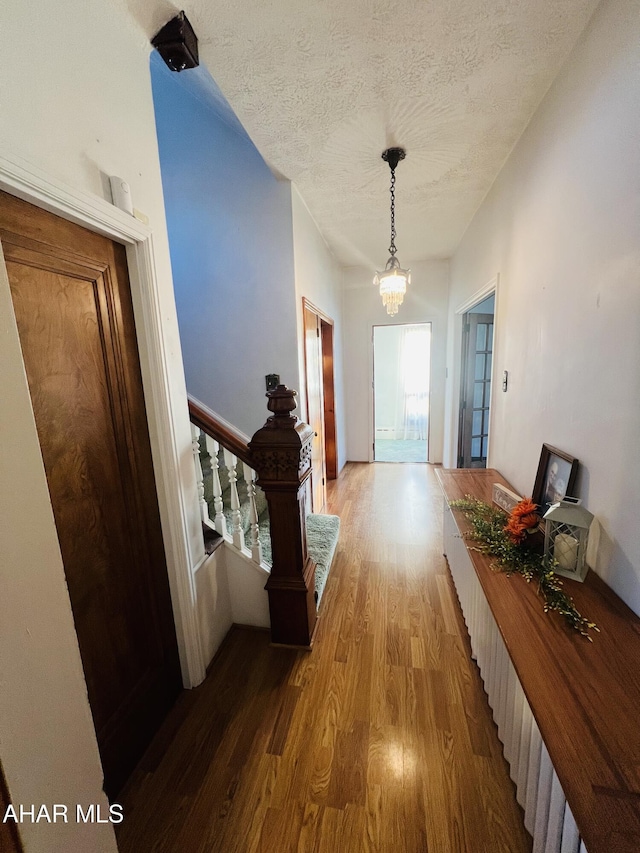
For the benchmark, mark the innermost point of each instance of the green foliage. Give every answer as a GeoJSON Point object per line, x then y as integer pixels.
{"type": "Point", "coordinates": [489, 537]}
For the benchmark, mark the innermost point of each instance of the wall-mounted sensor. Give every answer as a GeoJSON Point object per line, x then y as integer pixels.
{"type": "Point", "coordinates": [121, 194]}
{"type": "Point", "coordinates": [177, 44]}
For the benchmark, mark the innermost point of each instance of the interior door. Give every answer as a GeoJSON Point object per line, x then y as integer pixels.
{"type": "Point", "coordinates": [73, 307]}
{"type": "Point", "coordinates": [328, 397]}
{"type": "Point", "coordinates": [477, 356]}
{"type": "Point", "coordinates": [315, 406]}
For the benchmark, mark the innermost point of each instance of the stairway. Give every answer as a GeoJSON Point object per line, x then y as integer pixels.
{"type": "Point", "coordinates": [323, 531]}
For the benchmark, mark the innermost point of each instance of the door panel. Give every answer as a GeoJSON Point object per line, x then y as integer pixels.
{"type": "Point", "coordinates": [73, 307]}
{"type": "Point", "coordinates": [475, 400]}
{"type": "Point", "coordinates": [328, 395]}
{"type": "Point", "coordinates": [315, 406]}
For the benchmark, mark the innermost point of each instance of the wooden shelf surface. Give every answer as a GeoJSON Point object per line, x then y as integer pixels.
{"type": "Point", "coordinates": [585, 697]}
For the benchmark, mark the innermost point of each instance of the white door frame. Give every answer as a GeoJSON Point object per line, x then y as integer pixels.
{"type": "Point", "coordinates": [492, 286]}
{"type": "Point", "coordinates": [166, 409]}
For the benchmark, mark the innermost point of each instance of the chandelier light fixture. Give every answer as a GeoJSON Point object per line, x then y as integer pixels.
{"type": "Point", "coordinates": [393, 280]}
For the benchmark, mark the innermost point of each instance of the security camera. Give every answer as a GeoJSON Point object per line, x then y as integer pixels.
{"type": "Point", "coordinates": [177, 44]}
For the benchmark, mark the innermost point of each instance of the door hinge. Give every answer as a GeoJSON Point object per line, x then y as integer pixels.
{"type": "Point", "coordinates": [323, 481]}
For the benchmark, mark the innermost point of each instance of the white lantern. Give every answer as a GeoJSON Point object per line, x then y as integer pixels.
{"type": "Point", "coordinates": [566, 536]}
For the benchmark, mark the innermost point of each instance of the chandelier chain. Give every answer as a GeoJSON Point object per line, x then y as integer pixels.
{"type": "Point", "coordinates": [392, 191]}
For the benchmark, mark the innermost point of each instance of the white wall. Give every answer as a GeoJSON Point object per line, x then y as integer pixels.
{"type": "Point", "coordinates": [561, 226]}
{"type": "Point", "coordinates": [426, 302]}
{"type": "Point", "coordinates": [319, 279]}
{"type": "Point", "coordinates": [78, 112]}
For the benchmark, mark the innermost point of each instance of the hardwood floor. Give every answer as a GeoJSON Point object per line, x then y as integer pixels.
{"type": "Point", "coordinates": [379, 740]}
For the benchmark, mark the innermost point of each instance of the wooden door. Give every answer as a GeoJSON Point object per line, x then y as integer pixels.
{"type": "Point", "coordinates": [72, 302]}
{"type": "Point", "coordinates": [315, 405]}
{"type": "Point", "coordinates": [328, 398]}
{"type": "Point", "coordinates": [477, 356]}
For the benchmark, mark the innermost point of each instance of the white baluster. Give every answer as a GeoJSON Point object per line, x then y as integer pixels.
{"type": "Point", "coordinates": [237, 535]}
{"type": "Point", "coordinates": [195, 445]}
{"type": "Point", "coordinates": [220, 522]}
{"type": "Point", "coordinates": [254, 532]}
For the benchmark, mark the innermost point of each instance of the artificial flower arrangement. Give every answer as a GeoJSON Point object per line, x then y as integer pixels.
{"type": "Point", "coordinates": [508, 539]}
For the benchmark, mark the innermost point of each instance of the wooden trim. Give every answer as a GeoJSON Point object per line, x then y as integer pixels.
{"type": "Point", "coordinates": [306, 303]}
{"type": "Point", "coordinates": [329, 397]}
{"type": "Point", "coordinates": [328, 382]}
{"type": "Point", "coordinates": [584, 696]}
{"type": "Point", "coordinates": [202, 416]}
{"type": "Point", "coordinates": [165, 408]}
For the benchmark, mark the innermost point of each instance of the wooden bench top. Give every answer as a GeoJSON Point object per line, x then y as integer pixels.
{"type": "Point", "coordinates": [585, 697]}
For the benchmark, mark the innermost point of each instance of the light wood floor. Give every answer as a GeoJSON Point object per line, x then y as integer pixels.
{"type": "Point", "coordinates": [379, 740]}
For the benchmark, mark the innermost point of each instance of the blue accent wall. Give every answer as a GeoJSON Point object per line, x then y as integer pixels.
{"type": "Point", "coordinates": [231, 240]}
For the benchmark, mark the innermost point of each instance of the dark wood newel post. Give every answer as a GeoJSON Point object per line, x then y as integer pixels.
{"type": "Point", "coordinates": [281, 454]}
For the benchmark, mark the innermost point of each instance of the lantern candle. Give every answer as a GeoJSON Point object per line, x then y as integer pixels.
{"type": "Point", "coordinates": [565, 552]}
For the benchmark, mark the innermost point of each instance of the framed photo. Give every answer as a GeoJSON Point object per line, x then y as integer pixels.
{"type": "Point", "coordinates": [555, 479]}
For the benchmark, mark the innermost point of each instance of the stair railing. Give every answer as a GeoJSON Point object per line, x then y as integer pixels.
{"type": "Point", "coordinates": [228, 453]}
{"type": "Point", "coordinates": [278, 460]}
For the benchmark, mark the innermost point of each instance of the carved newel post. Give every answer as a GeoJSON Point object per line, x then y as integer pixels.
{"type": "Point", "coordinates": [281, 454]}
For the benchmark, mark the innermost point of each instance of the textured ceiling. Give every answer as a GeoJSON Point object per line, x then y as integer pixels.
{"type": "Point", "coordinates": [323, 87]}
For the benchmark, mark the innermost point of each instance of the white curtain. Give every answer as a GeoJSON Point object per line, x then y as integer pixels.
{"type": "Point", "coordinates": [414, 379]}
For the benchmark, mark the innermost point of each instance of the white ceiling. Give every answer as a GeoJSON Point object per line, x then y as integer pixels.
{"type": "Point", "coordinates": [323, 86]}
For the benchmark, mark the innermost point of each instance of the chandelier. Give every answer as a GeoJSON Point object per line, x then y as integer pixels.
{"type": "Point", "coordinates": [393, 280]}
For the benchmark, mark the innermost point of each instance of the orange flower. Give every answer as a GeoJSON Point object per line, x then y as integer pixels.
{"type": "Point", "coordinates": [523, 518]}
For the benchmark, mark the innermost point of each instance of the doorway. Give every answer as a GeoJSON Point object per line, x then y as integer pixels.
{"type": "Point", "coordinates": [401, 384]}
{"type": "Point", "coordinates": [72, 302]}
{"type": "Point", "coordinates": [475, 386]}
{"type": "Point", "coordinates": [321, 415]}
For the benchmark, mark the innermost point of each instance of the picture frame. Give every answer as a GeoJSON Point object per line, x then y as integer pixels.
{"type": "Point", "coordinates": [555, 479]}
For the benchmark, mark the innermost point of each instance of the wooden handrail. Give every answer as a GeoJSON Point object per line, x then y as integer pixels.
{"type": "Point", "coordinates": [209, 422]}
{"type": "Point", "coordinates": [280, 455]}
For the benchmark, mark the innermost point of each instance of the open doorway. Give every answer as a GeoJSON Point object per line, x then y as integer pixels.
{"type": "Point", "coordinates": [475, 387]}
{"type": "Point", "coordinates": [319, 381]}
{"type": "Point", "coordinates": [401, 371]}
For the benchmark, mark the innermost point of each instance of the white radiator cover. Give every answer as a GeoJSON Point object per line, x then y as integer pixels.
{"type": "Point", "coordinates": [547, 815]}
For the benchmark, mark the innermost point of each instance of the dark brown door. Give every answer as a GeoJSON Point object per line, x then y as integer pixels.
{"type": "Point", "coordinates": [72, 301]}
{"type": "Point", "coordinates": [328, 397]}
